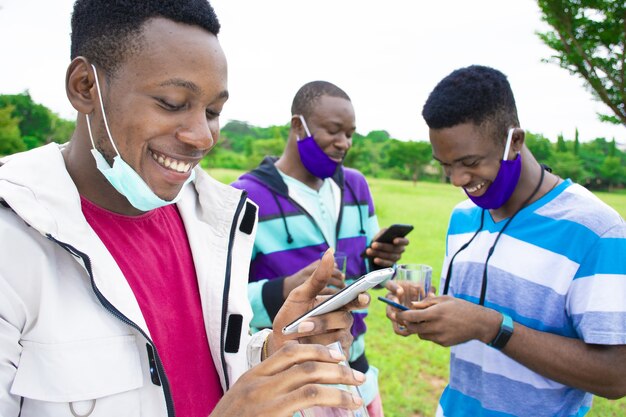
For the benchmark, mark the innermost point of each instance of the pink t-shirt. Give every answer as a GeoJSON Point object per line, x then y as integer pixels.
{"type": "Point", "coordinates": [153, 252]}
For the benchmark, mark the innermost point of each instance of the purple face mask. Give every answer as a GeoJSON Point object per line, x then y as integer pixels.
{"type": "Point", "coordinates": [313, 157]}
{"type": "Point", "coordinates": [503, 186]}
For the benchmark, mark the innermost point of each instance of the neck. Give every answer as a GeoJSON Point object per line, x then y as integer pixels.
{"type": "Point", "coordinates": [91, 184]}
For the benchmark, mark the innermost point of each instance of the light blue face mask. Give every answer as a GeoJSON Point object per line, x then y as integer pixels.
{"type": "Point", "coordinates": [122, 176]}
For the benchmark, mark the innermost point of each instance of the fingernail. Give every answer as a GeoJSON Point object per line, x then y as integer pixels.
{"type": "Point", "coordinates": [306, 327]}
{"type": "Point", "coordinates": [363, 298]}
{"type": "Point", "coordinates": [359, 376]}
{"type": "Point", "coordinates": [335, 354]}
{"type": "Point", "coordinates": [357, 400]}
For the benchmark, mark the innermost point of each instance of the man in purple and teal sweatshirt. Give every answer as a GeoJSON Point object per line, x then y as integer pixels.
{"type": "Point", "coordinates": [308, 201]}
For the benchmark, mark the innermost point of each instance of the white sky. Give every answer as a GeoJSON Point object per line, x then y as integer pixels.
{"type": "Point", "coordinates": [387, 55]}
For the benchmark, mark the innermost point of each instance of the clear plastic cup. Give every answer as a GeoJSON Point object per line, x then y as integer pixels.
{"type": "Point", "coordinates": [415, 280]}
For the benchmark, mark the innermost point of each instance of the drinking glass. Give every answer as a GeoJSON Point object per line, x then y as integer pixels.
{"type": "Point", "coordinates": [415, 281]}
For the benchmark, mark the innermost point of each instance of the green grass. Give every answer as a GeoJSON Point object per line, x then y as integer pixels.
{"type": "Point", "coordinates": [414, 372]}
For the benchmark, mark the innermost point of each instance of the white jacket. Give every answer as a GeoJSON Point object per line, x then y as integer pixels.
{"type": "Point", "coordinates": [73, 340]}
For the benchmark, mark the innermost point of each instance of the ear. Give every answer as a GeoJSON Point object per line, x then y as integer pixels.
{"type": "Point", "coordinates": [296, 127]}
{"type": "Point", "coordinates": [79, 85]}
{"type": "Point", "coordinates": [518, 139]}
{"type": "Point", "coordinates": [296, 123]}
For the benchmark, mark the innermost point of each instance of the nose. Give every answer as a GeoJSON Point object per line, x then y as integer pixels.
{"type": "Point", "coordinates": [199, 132]}
{"type": "Point", "coordinates": [343, 142]}
{"type": "Point", "coordinates": [458, 176]}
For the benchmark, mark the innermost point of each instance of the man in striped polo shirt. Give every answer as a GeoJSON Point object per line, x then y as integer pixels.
{"type": "Point", "coordinates": [533, 300]}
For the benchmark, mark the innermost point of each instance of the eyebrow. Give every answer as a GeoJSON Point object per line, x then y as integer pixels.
{"type": "Point", "coordinates": [463, 158]}
{"type": "Point", "coordinates": [189, 85]}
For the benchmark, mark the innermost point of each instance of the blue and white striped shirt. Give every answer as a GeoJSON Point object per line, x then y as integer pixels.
{"type": "Point", "coordinates": [560, 267]}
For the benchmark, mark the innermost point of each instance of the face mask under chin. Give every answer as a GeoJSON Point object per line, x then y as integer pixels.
{"type": "Point", "coordinates": [313, 157]}
{"type": "Point", "coordinates": [503, 186]}
{"type": "Point", "coordinates": [122, 176]}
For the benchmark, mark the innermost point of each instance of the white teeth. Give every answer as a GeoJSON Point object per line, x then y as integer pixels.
{"type": "Point", "coordinates": [476, 188]}
{"type": "Point", "coordinates": [173, 164]}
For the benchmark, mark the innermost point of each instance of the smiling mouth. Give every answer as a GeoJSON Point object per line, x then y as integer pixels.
{"type": "Point", "coordinates": [171, 163]}
{"type": "Point", "coordinates": [475, 188]}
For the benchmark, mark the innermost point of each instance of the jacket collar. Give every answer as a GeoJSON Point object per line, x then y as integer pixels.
{"type": "Point", "coordinates": [268, 174]}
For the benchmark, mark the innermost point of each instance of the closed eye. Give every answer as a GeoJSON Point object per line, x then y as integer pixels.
{"type": "Point", "coordinates": [212, 114]}
{"type": "Point", "coordinates": [170, 106]}
{"type": "Point", "coordinates": [471, 163]}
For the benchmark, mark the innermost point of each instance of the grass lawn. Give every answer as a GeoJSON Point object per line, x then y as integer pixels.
{"type": "Point", "coordinates": [414, 372]}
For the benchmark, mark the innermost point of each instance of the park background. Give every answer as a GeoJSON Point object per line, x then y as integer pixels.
{"type": "Point", "coordinates": [388, 68]}
{"type": "Point", "coordinates": [413, 372]}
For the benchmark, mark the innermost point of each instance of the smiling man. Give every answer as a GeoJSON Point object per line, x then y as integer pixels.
{"type": "Point", "coordinates": [534, 296]}
{"type": "Point", "coordinates": [124, 266]}
{"type": "Point", "coordinates": [308, 201]}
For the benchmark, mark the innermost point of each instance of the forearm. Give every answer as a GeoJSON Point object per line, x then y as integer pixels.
{"type": "Point", "coordinates": [598, 369]}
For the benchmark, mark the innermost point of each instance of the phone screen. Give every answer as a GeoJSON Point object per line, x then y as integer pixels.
{"type": "Point", "coordinates": [343, 297]}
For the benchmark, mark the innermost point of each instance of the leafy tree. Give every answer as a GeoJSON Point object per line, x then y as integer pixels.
{"type": "Point", "coordinates": [264, 147]}
{"type": "Point", "coordinates": [612, 171]}
{"type": "Point", "coordinates": [225, 158]}
{"type": "Point", "coordinates": [560, 144]}
{"type": "Point", "coordinates": [35, 119]}
{"type": "Point", "coordinates": [576, 143]}
{"type": "Point", "coordinates": [613, 148]}
{"type": "Point", "coordinates": [409, 157]}
{"type": "Point", "coordinates": [588, 39]}
{"type": "Point", "coordinates": [237, 127]}
{"type": "Point", "coordinates": [10, 138]}
{"type": "Point", "coordinates": [366, 155]}
{"type": "Point", "coordinates": [540, 146]}
{"type": "Point", "coordinates": [568, 165]}
{"type": "Point", "coordinates": [61, 129]}
{"type": "Point", "coordinates": [378, 136]}
{"type": "Point", "coordinates": [37, 124]}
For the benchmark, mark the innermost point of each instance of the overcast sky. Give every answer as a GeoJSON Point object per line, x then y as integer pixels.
{"type": "Point", "coordinates": [387, 55]}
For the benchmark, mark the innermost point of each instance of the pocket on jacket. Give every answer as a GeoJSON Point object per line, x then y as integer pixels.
{"type": "Point", "coordinates": [94, 378]}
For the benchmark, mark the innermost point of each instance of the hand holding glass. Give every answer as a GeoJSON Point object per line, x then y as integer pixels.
{"type": "Point", "coordinates": [341, 260]}
{"type": "Point", "coordinates": [414, 279]}
{"type": "Point", "coordinates": [333, 411]}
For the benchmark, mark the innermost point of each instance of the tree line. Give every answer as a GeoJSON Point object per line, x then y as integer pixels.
{"type": "Point", "coordinates": [25, 124]}
{"type": "Point", "coordinates": [598, 164]}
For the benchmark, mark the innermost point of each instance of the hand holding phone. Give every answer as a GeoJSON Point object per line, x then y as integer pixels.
{"type": "Point", "coordinates": [394, 231]}
{"type": "Point", "coordinates": [389, 254]}
{"type": "Point", "coordinates": [343, 297]}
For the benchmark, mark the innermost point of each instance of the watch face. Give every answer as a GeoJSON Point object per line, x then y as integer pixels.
{"type": "Point", "coordinates": [504, 334]}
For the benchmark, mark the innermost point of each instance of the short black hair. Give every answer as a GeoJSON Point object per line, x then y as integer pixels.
{"type": "Point", "coordinates": [477, 94]}
{"type": "Point", "coordinates": [309, 93]}
{"type": "Point", "coordinates": [106, 32]}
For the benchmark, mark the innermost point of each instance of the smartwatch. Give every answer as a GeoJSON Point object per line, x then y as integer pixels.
{"type": "Point", "coordinates": [504, 334]}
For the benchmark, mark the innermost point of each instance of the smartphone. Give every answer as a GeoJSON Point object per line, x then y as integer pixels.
{"type": "Point", "coordinates": [343, 297]}
{"type": "Point", "coordinates": [394, 231]}
{"type": "Point", "coordinates": [393, 303]}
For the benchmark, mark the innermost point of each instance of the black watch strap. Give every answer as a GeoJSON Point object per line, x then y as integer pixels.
{"type": "Point", "coordinates": [504, 334]}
